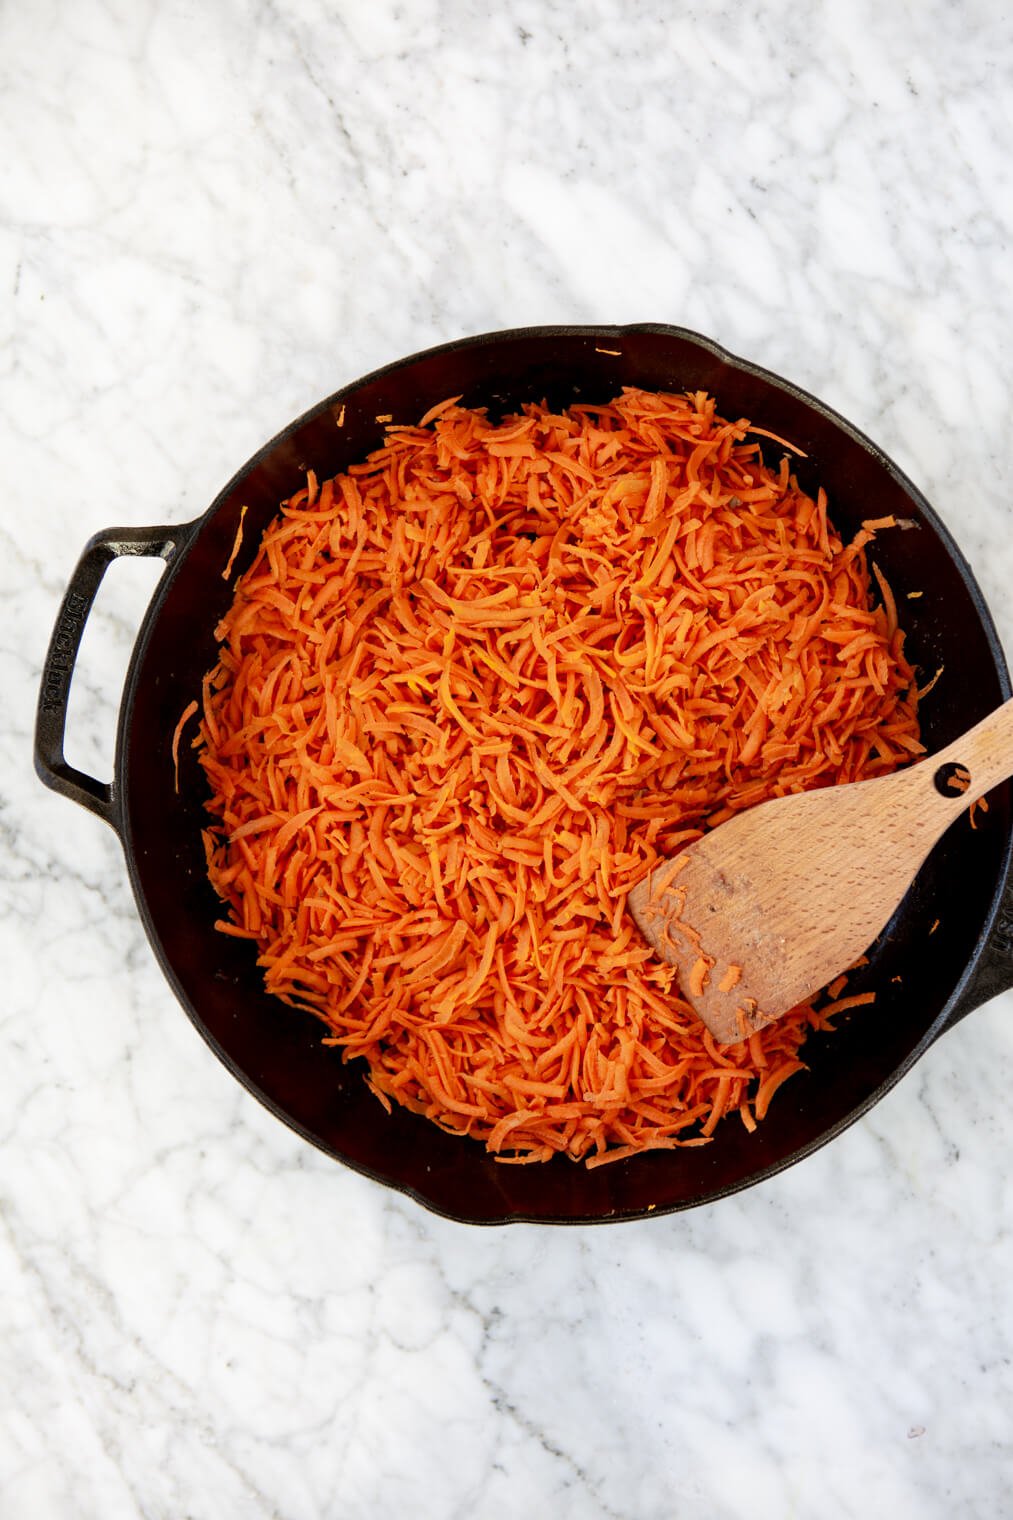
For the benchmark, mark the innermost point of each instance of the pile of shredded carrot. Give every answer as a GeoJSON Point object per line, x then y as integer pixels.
{"type": "Point", "coordinates": [471, 690]}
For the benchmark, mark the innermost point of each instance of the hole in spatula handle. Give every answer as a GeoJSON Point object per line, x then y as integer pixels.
{"type": "Point", "coordinates": [952, 780]}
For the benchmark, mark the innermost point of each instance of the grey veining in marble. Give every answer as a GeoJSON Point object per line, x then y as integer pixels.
{"type": "Point", "coordinates": [210, 216]}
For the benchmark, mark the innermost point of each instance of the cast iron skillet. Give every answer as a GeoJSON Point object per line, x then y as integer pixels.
{"type": "Point", "coordinates": [948, 948]}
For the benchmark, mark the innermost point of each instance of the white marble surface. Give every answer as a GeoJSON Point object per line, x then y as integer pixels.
{"type": "Point", "coordinates": [211, 215]}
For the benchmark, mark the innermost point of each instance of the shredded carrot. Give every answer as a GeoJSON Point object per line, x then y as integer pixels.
{"type": "Point", "coordinates": [766, 433]}
{"type": "Point", "coordinates": [471, 691]}
{"type": "Point", "coordinates": [730, 979]}
{"type": "Point", "coordinates": [177, 734]}
{"type": "Point", "coordinates": [923, 691]}
{"type": "Point", "coordinates": [698, 977]}
{"type": "Point", "coordinates": [959, 781]}
{"type": "Point", "coordinates": [841, 1005]}
{"type": "Point", "coordinates": [768, 1087]}
{"type": "Point", "coordinates": [235, 546]}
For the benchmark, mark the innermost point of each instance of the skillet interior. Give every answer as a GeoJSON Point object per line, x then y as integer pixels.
{"type": "Point", "coordinates": [277, 1053]}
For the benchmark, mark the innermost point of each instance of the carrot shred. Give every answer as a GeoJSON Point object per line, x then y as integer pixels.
{"type": "Point", "coordinates": [471, 691]}
{"type": "Point", "coordinates": [177, 734]}
{"type": "Point", "coordinates": [766, 433]}
{"type": "Point", "coordinates": [979, 804]}
{"type": "Point", "coordinates": [698, 977]}
{"type": "Point", "coordinates": [237, 542]}
{"type": "Point", "coordinates": [923, 691]}
{"type": "Point", "coordinates": [840, 1005]}
{"type": "Point", "coordinates": [770, 1084]}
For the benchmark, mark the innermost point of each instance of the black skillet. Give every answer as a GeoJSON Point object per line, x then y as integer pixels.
{"type": "Point", "coordinates": [948, 948]}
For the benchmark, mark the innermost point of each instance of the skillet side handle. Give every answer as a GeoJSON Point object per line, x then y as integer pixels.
{"type": "Point", "coordinates": [994, 971]}
{"type": "Point", "coordinates": [61, 657]}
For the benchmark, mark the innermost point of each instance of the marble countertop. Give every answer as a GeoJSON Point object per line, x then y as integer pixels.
{"type": "Point", "coordinates": [211, 216]}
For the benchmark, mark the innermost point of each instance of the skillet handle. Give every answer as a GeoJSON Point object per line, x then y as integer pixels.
{"type": "Point", "coordinates": [993, 973]}
{"type": "Point", "coordinates": [61, 657]}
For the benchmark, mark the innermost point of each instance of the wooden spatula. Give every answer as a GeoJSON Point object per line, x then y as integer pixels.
{"type": "Point", "coordinates": [780, 899]}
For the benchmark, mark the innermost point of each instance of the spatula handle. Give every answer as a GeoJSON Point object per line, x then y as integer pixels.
{"type": "Point", "coordinates": [985, 752]}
